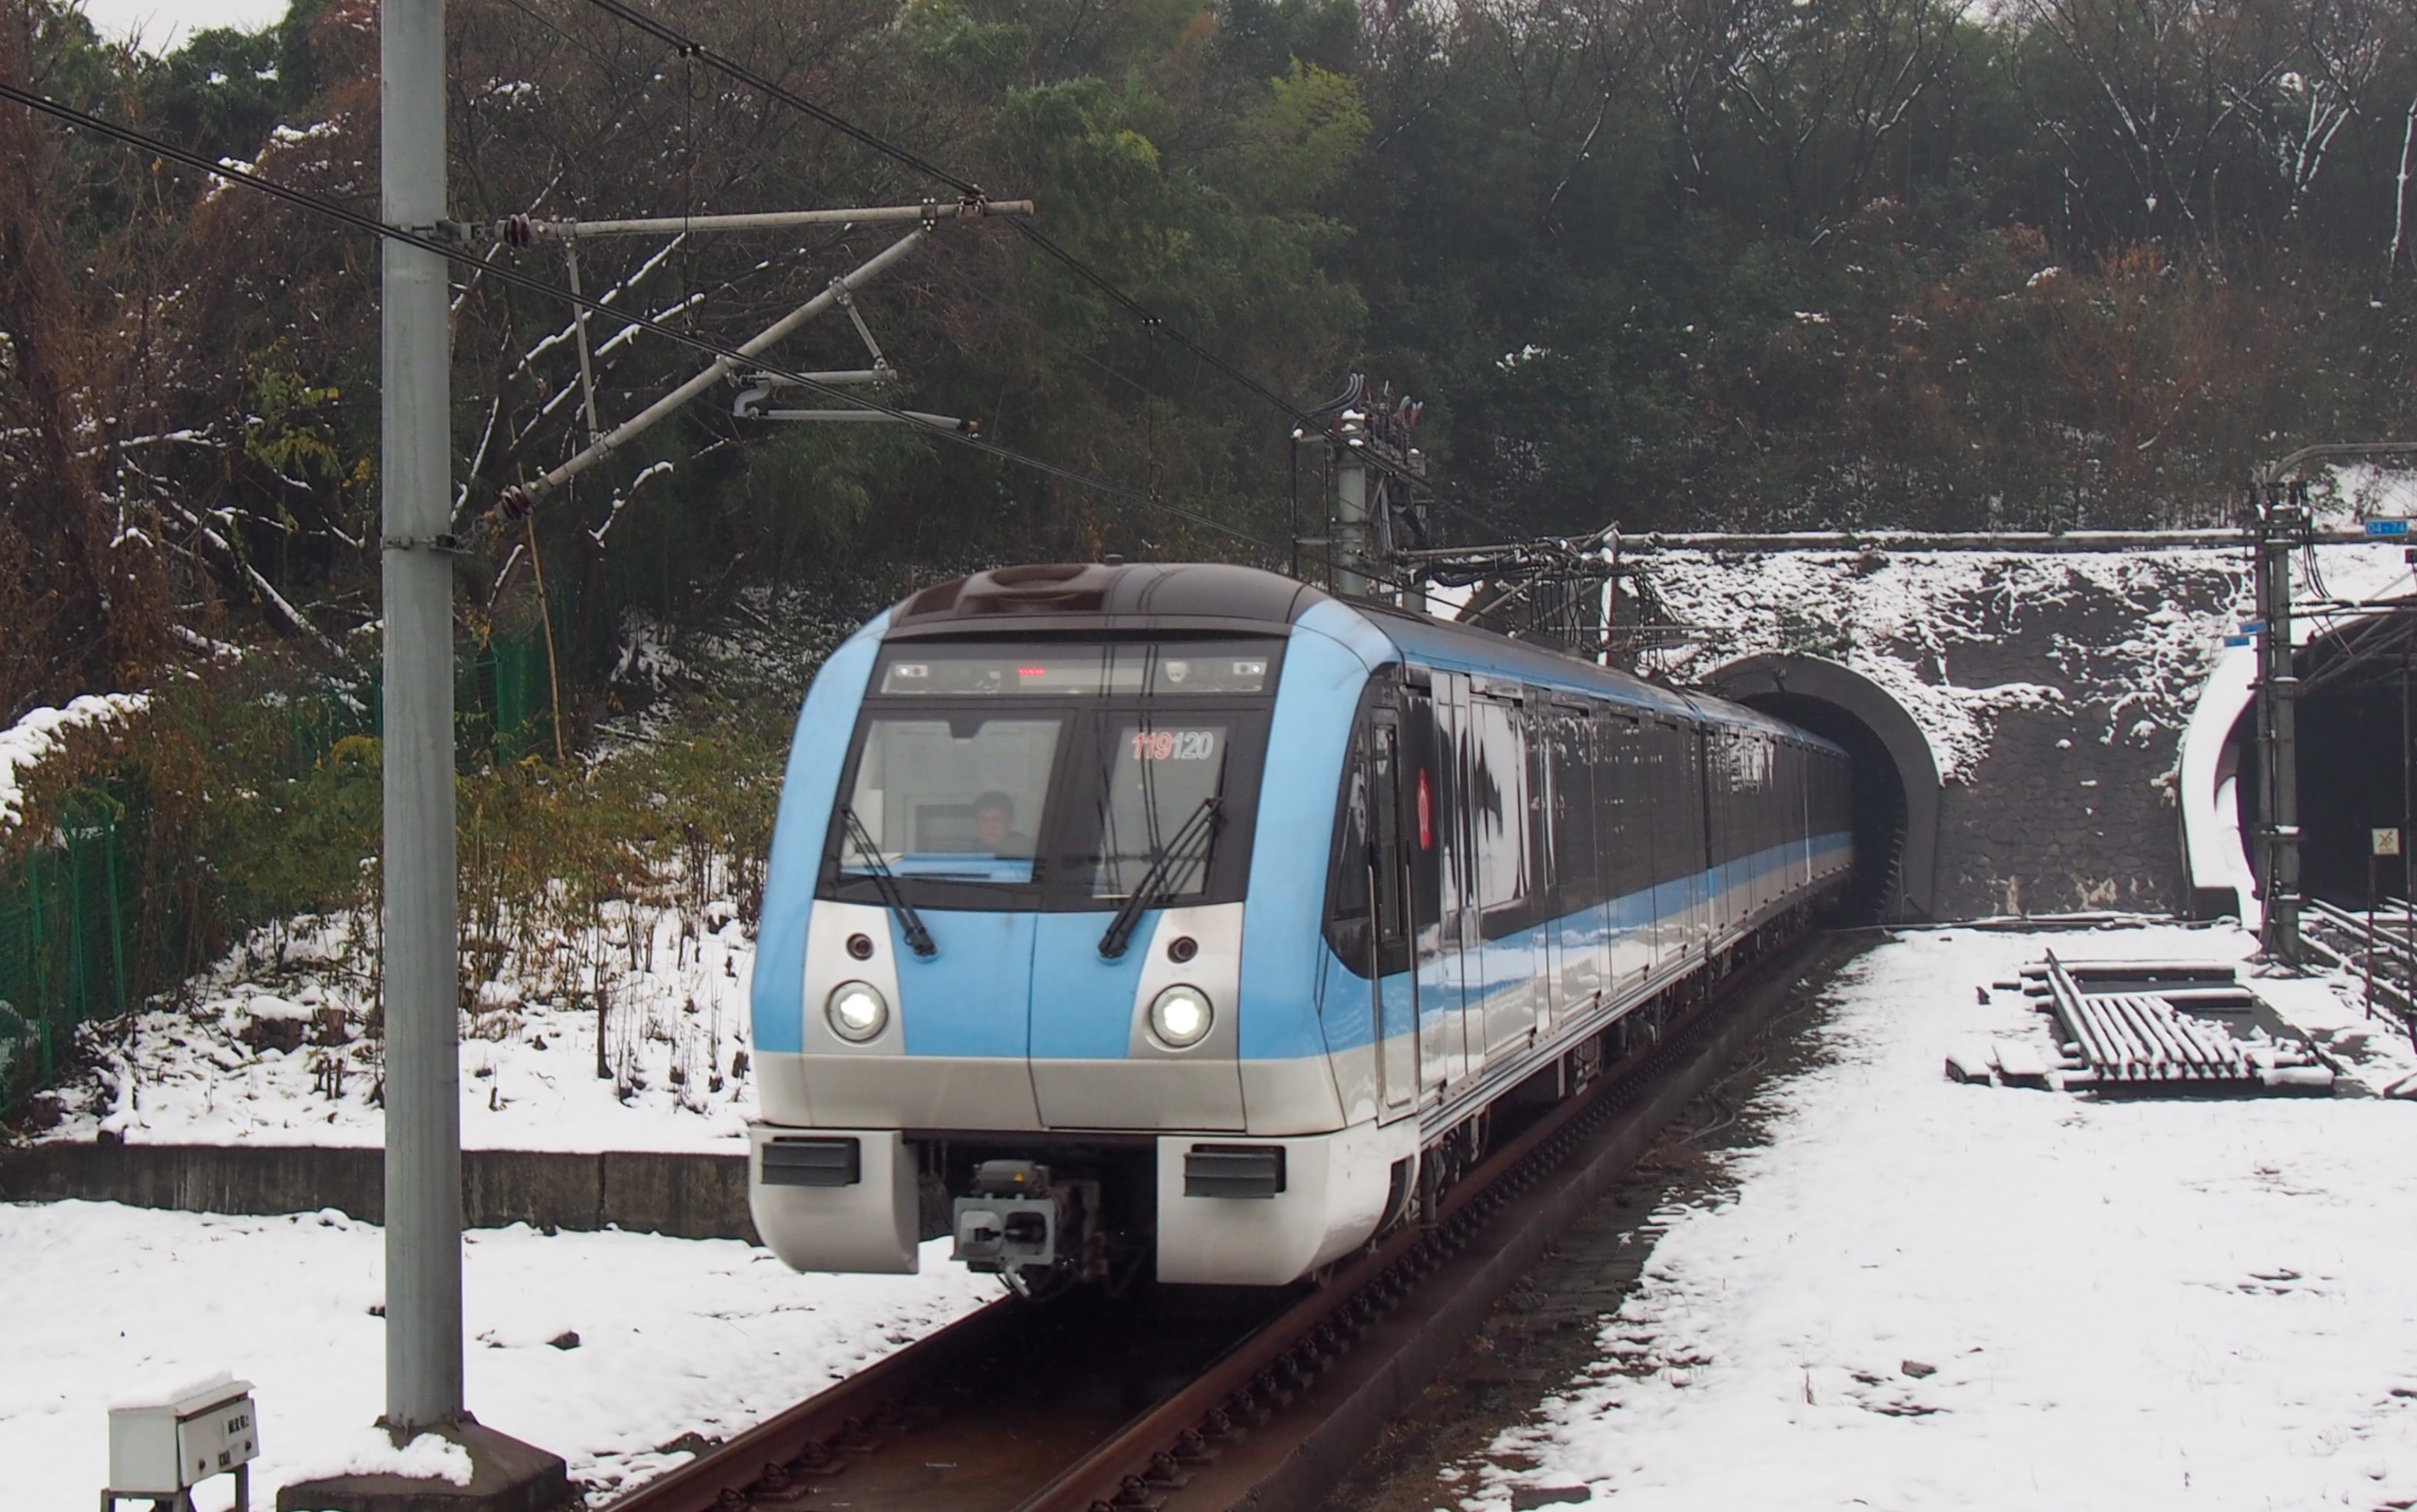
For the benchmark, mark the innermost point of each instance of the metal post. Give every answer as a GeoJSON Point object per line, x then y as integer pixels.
{"type": "Point", "coordinates": [1351, 505]}
{"type": "Point", "coordinates": [587, 362]}
{"type": "Point", "coordinates": [2278, 730]}
{"type": "Point", "coordinates": [423, 1132]}
{"type": "Point", "coordinates": [2372, 863]}
{"type": "Point", "coordinates": [1292, 513]}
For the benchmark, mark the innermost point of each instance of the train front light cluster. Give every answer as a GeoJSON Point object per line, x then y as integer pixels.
{"type": "Point", "coordinates": [1180, 1016]}
{"type": "Point", "coordinates": [857, 1011]}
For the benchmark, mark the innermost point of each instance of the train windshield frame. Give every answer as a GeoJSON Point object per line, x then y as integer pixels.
{"type": "Point", "coordinates": [1054, 775]}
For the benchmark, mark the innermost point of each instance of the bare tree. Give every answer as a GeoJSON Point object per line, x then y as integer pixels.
{"type": "Point", "coordinates": [2170, 81]}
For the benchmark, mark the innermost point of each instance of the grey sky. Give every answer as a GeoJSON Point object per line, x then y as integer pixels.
{"type": "Point", "coordinates": [164, 23]}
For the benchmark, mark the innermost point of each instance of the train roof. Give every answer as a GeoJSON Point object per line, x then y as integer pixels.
{"type": "Point", "coordinates": [1466, 648]}
{"type": "Point", "coordinates": [1044, 598]}
{"type": "Point", "coordinates": [1077, 597]}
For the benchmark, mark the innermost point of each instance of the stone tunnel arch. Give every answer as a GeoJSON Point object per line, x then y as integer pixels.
{"type": "Point", "coordinates": [2355, 679]}
{"type": "Point", "coordinates": [1897, 778]}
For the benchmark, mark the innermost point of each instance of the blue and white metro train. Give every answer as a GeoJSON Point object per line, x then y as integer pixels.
{"type": "Point", "coordinates": [1186, 919]}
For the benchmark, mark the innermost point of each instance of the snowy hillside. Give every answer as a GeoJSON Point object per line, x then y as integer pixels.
{"type": "Point", "coordinates": [277, 1048]}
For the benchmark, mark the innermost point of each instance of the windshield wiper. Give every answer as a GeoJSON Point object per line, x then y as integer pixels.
{"type": "Point", "coordinates": [910, 923]}
{"type": "Point", "coordinates": [1157, 885]}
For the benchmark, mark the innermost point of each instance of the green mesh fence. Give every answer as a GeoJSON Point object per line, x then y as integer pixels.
{"type": "Point", "coordinates": [65, 929]}
{"type": "Point", "coordinates": [88, 923]}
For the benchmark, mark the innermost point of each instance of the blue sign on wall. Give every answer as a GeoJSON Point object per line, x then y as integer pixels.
{"type": "Point", "coordinates": [2387, 527]}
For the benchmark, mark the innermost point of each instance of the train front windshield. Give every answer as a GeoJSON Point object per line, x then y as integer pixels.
{"type": "Point", "coordinates": [1054, 776]}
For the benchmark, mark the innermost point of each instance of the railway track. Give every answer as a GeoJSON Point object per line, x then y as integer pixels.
{"type": "Point", "coordinates": [1180, 1398]}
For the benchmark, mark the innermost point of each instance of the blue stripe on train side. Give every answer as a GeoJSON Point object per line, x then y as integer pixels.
{"type": "Point", "coordinates": [825, 726]}
{"type": "Point", "coordinates": [1632, 912]}
{"type": "Point", "coordinates": [1327, 663]}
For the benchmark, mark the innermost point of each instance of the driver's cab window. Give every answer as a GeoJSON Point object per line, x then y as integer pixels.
{"type": "Point", "coordinates": [955, 795]}
{"type": "Point", "coordinates": [1163, 779]}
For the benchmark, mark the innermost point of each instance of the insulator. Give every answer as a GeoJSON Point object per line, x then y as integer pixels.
{"type": "Point", "coordinates": [517, 230]}
{"type": "Point", "coordinates": [515, 503]}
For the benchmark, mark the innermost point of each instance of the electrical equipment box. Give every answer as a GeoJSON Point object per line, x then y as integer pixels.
{"type": "Point", "coordinates": [203, 1430]}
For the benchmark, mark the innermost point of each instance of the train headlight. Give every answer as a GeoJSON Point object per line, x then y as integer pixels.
{"type": "Point", "coordinates": [857, 1011]}
{"type": "Point", "coordinates": [1180, 1017]}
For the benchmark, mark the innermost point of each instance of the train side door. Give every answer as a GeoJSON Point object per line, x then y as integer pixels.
{"type": "Point", "coordinates": [1714, 769]}
{"type": "Point", "coordinates": [1509, 965]}
{"type": "Point", "coordinates": [1540, 728]}
{"type": "Point", "coordinates": [1393, 984]}
{"type": "Point", "coordinates": [1626, 842]}
{"type": "Point", "coordinates": [1436, 720]}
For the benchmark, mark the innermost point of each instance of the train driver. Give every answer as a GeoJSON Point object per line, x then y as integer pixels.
{"type": "Point", "coordinates": [994, 825]}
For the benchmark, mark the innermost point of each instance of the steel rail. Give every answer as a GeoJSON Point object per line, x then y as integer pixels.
{"type": "Point", "coordinates": [1151, 1456]}
{"type": "Point", "coordinates": [843, 1419]}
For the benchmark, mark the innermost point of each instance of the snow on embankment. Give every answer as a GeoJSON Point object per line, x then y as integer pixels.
{"type": "Point", "coordinates": [1933, 630]}
{"type": "Point", "coordinates": [44, 733]}
{"type": "Point", "coordinates": [277, 1046]}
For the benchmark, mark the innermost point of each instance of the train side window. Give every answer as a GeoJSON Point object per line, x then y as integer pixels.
{"type": "Point", "coordinates": [1427, 822]}
{"type": "Point", "coordinates": [1573, 832]}
{"type": "Point", "coordinates": [1610, 842]}
{"type": "Point", "coordinates": [1670, 794]}
{"type": "Point", "coordinates": [1540, 728]}
{"type": "Point", "coordinates": [1385, 834]}
{"type": "Point", "coordinates": [1497, 812]}
{"type": "Point", "coordinates": [1346, 889]}
{"type": "Point", "coordinates": [1633, 841]}
{"type": "Point", "coordinates": [1636, 838]}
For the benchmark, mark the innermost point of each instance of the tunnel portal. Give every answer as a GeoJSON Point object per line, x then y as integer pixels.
{"type": "Point", "coordinates": [2354, 721]}
{"type": "Point", "coordinates": [1897, 779]}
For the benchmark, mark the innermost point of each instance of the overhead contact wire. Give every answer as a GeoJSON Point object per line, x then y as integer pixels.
{"type": "Point", "coordinates": [690, 47]}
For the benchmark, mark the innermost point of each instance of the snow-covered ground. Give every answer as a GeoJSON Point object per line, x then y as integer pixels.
{"type": "Point", "coordinates": [2125, 1304]}
{"type": "Point", "coordinates": [276, 1048]}
{"type": "Point", "coordinates": [1925, 1294]}
{"type": "Point", "coordinates": [672, 1337]}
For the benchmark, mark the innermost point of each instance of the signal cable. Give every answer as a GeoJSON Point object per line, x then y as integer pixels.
{"type": "Point", "coordinates": [689, 47]}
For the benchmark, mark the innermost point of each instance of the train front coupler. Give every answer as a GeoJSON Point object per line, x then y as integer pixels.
{"type": "Point", "coordinates": [1022, 1220]}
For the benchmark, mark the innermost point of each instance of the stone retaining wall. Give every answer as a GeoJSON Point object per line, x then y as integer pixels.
{"type": "Point", "coordinates": [685, 1196]}
{"type": "Point", "coordinates": [2054, 692]}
